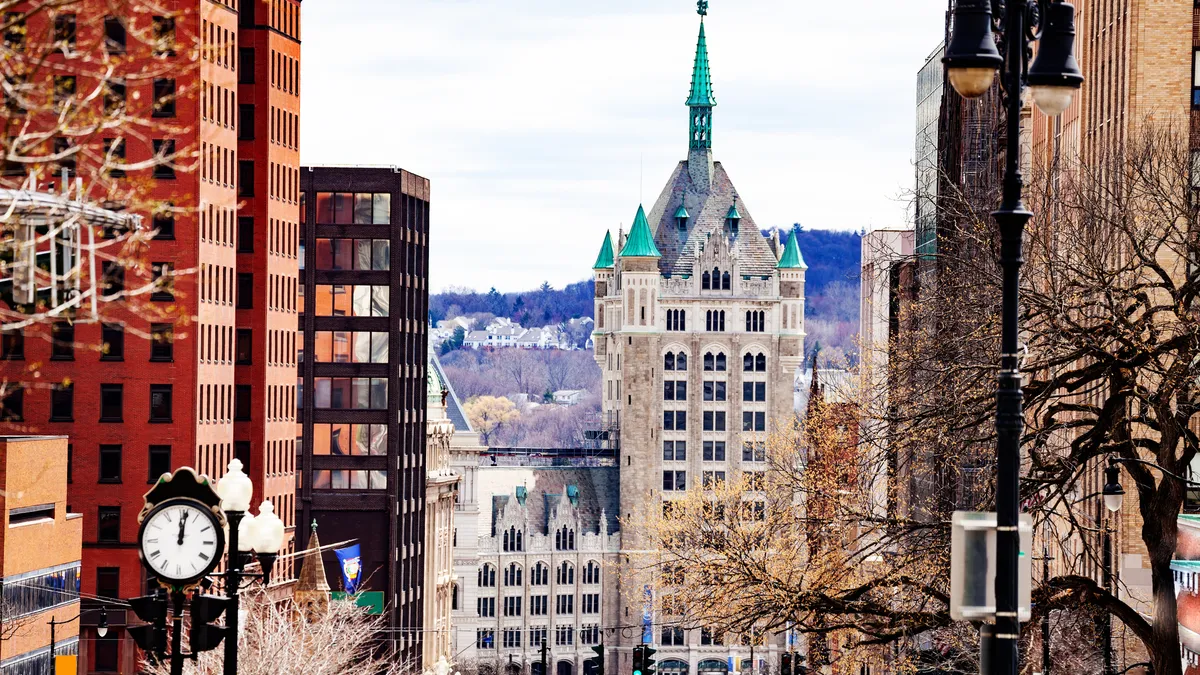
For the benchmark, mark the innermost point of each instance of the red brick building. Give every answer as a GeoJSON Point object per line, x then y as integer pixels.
{"type": "Point", "coordinates": [202, 370]}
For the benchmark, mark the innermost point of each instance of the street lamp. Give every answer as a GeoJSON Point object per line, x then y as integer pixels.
{"type": "Point", "coordinates": [262, 535]}
{"type": "Point", "coordinates": [971, 61]}
{"type": "Point", "coordinates": [1114, 494]}
{"type": "Point", "coordinates": [101, 628]}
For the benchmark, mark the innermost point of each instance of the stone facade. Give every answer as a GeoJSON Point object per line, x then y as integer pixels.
{"type": "Point", "coordinates": [699, 337]}
{"type": "Point", "coordinates": [441, 494]}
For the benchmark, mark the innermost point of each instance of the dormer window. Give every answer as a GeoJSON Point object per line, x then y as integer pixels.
{"type": "Point", "coordinates": [732, 218]}
{"type": "Point", "coordinates": [681, 217]}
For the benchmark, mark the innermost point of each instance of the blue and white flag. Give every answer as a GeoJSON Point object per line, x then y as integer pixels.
{"type": "Point", "coordinates": [350, 560]}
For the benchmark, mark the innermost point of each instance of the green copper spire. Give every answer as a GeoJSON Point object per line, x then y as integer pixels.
{"type": "Point", "coordinates": [604, 261]}
{"type": "Point", "coordinates": [640, 243]}
{"type": "Point", "coordinates": [701, 101]}
{"type": "Point", "coordinates": [792, 260]}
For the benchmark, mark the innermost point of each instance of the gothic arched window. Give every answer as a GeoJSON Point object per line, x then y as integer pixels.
{"type": "Point", "coordinates": [709, 361]}
{"type": "Point", "coordinates": [541, 575]}
{"type": "Point", "coordinates": [591, 573]}
{"type": "Point", "coordinates": [720, 362]}
{"type": "Point", "coordinates": [487, 577]}
{"type": "Point", "coordinates": [669, 361]}
{"type": "Point", "coordinates": [705, 281]}
{"type": "Point", "coordinates": [566, 573]}
{"type": "Point", "coordinates": [748, 363]}
{"type": "Point", "coordinates": [725, 281]}
{"type": "Point", "coordinates": [760, 363]}
{"type": "Point", "coordinates": [681, 362]}
{"type": "Point", "coordinates": [512, 575]}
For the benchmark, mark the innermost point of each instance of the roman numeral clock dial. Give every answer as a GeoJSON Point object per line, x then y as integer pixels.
{"type": "Point", "coordinates": [181, 541]}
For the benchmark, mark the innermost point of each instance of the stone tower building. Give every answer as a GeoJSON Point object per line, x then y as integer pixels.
{"type": "Point", "coordinates": [699, 332]}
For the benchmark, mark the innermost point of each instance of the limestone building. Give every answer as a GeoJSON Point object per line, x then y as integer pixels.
{"type": "Point", "coordinates": [441, 494]}
{"type": "Point", "coordinates": [699, 332]}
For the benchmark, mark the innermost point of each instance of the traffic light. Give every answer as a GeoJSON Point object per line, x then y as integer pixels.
{"type": "Point", "coordinates": [785, 663]}
{"type": "Point", "coordinates": [647, 662]}
{"type": "Point", "coordinates": [151, 637]}
{"type": "Point", "coordinates": [599, 659]}
{"type": "Point", "coordinates": [637, 660]}
{"type": "Point", "coordinates": [205, 610]}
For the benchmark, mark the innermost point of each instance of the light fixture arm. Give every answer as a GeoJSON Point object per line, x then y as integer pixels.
{"type": "Point", "coordinates": [1114, 461]}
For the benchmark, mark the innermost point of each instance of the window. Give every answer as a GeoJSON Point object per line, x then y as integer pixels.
{"type": "Point", "coordinates": [112, 338]}
{"type": "Point", "coordinates": [714, 321]}
{"type": "Point", "coordinates": [164, 221]}
{"type": "Point", "coordinates": [62, 402]}
{"type": "Point", "coordinates": [114, 96]}
{"type": "Point", "coordinates": [754, 391]}
{"type": "Point", "coordinates": [714, 420]}
{"type": "Point", "coordinates": [564, 604]}
{"type": "Point", "coordinates": [541, 575]}
{"type": "Point", "coordinates": [245, 65]}
{"type": "Point", "coordinates": [674, 391]}
{"type": "Point", "coordinates": [674, 480]}
{"type": "Point", "coordinates": [114, 156]}
{"type": "Point", "coordinates": [112, 279]}
{"type": "Point", "coordinates": [672, 636]}
{"type": "Point", "coordinates": [537, 636]}
{"type": "Point", "coordinates": [245, 234]}
{"type": "Point", "coordinates": [514, 540]}
{"type": "Point", "coordinates": [242, 349]}
{"type": "Point", "coordinates": [160, 461]}
{"type": "Point", "coordinates": [564, 636]}
{"type": "Point", "coordinates": [112, 402]}
{"type": "Point", "coordinates": [537, 605]}
{"type": "Point", "coordinates": [348, 300]}
{"type": "Point", "coordinates": [351, 393]}
{"type": "Point", "coordinates": [675, 420]}
{"type": "Point", "coordinates": [245, 127]}
{"type": "Point", "coordinates": [164, 155]}
{"type": "Point", "coordinates": [109, 524]}
{"type": "Point", "coordinates": [714, 451]}
{"type": "Point", "coordinates": [512, 575]}
{"type": "Point", "coordinates": [164, 36]}
{"type": "Point", "coordinates": [487, 577]}
{"type": "Point", "coordinates": [160, 403]}
{"type": "Point", "coordinates": [245, 290]}
{"type": "Point", "coordinates": [714, 391]}
{"type": "Point", "coordinates": [241, 402]}
{"type": "Point", "coordinates": [14, 34]}
{"type": "Point", "coordinates": [756, 322]}
{"type": "Point", "coordinates": [162, 342]}
{"type": "Point", "coordinates": [486, 607]}
{"type": "Point", "coordinates": [711, 636]}
{"type": "Point", "coordinates": [354, 254]}
{"type": "Point", "coordinates": [676, 320]}
{"type": "Point", "coordinates": [110, 464]}
{"type": "Point", "coordinates": [566, 573]}
{"type": "Point", "coordinates": [512, 606]}
{"type": "Point", "coordinates": [589, 603]}
{"type": "Point", "coordinates": [669, 361]}
{"type": "Point", "coordinates": [108, 582]}
{"type": "Point", "coordinates": [754, 452]}
{"type": "Point", "coordinates": [754, 421]}
{"type": "Point", "coordinates": [12, 408]}
{"type": "Point", "coordinates": [245, 178]}
{"type": "Point", "coordinates": [164, 282]}
{"type": "Point", "coordinates": [512, 637]}
{"type": "Point", "coordinates": [674, 451]}
{"type": "Point", "coordinates": [759, 363]}
{"type": "Point", "coordinates": [713, 479]}
{"type": "Point", "coordinates": [351, 347]}
{"type": "Point", "coordinates": [591, 572]}
{"type": "Point", "coordinates": [485, 638]}
{"type": "Point", "coordinates": [12, 345]}
{"type": "Point", "coordinates": [64, 32]}
{"type": "Point", "coordinates": [164, 97]}
{"type": "Point", "coordinates": [756, 480]}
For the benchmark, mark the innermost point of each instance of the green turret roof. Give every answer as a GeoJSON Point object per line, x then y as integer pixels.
{"type": "Point", "coordinates": [733, 213]}
{"type": "Point", "coordinates": [640, 243]}
{"type": "Point", "coordinates": [792, 260]}
{"type": "Point", "coordinates": [702, 94]}
{"type": "Point", "coordinates": [681, 212]}
{"type": "Point", "coordinates": [604, 261]}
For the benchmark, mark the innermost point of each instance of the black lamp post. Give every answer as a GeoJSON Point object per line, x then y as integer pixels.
{"type": "Point", "coordinates": [101, 629]}
{"type": "Point", "coordinates": [972, 61]}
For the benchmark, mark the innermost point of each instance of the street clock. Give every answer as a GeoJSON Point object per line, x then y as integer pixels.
{"type": "Point", "coordinates": [181, 533]}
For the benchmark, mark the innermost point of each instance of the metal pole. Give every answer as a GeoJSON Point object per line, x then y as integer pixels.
{"type": "Point", "coordinates": [233, 581]}
{"type": "Point", "coordinates": [1106, 617]}
{"type": "Point", "coordinates": [177, 636]}
{"type": "Point", "coordinates": [53, 665]}
{"type": "Point", "coordinates": [1046, 616]}
{"type": "Point", "coordinates": [1011, 217]}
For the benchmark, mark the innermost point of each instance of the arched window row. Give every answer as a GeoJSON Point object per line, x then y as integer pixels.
{"type": "Point", "coordinates": [513, 540]}
{"type": "Point", "coordinates": [714, 321]}
{"type": "Point", "coordinates": [756, 321]}
{"type": "Point", "coordinates": [541, 575]}
{"type": "Point", "coordinates": [754, 363]}
{"type": "Point", "coordinates": [591, 572]}
{"type": "Point", "coordinates": [564, 539]}
{"type": "Point", "coordinates": [487, 576]}
{"type": "Point", "coordinates": [676, 319]}
{"type": "Point", "coordinates": [714, 362]}
{"type": "Point", "coordinates": [673, 361]}
{"type": "Point", "coordinates": [716, 280]}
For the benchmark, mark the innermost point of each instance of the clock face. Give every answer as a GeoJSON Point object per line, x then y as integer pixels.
{"type": "Point", "coordinates": [181, 541]}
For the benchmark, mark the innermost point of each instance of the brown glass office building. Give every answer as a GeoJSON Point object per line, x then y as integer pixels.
{"type": "Point", "coordinates": [361, 381]}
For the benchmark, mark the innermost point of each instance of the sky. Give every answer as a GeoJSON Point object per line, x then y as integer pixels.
{"type": "Point", "coordinates": [542, 123]}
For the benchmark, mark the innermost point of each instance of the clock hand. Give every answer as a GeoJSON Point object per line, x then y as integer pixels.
{"type": "Point", "coordinates": [182, 526]}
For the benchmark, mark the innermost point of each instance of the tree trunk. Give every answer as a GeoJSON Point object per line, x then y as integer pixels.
{"type": "Point", "coordinates": [1164, 644]}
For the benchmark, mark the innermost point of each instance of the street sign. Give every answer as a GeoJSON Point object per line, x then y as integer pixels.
{"type": "Point", "coordinates": [973, 567]}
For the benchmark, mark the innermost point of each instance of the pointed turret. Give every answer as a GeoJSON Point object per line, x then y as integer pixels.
{"type": "Point", "coordinates": [791, 258]}
{"type": "Point", "coordinates": [641, 242]}
{"type": "Point", "coordinates": [604, 261]}
{"type": "Point", "coordinates": [312, 589]}
{"type": "Point", "coordinates": [700, 105]}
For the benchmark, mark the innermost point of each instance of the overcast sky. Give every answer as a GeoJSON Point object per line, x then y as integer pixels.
{"type": "Point", "coordinates": [543, 122]}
